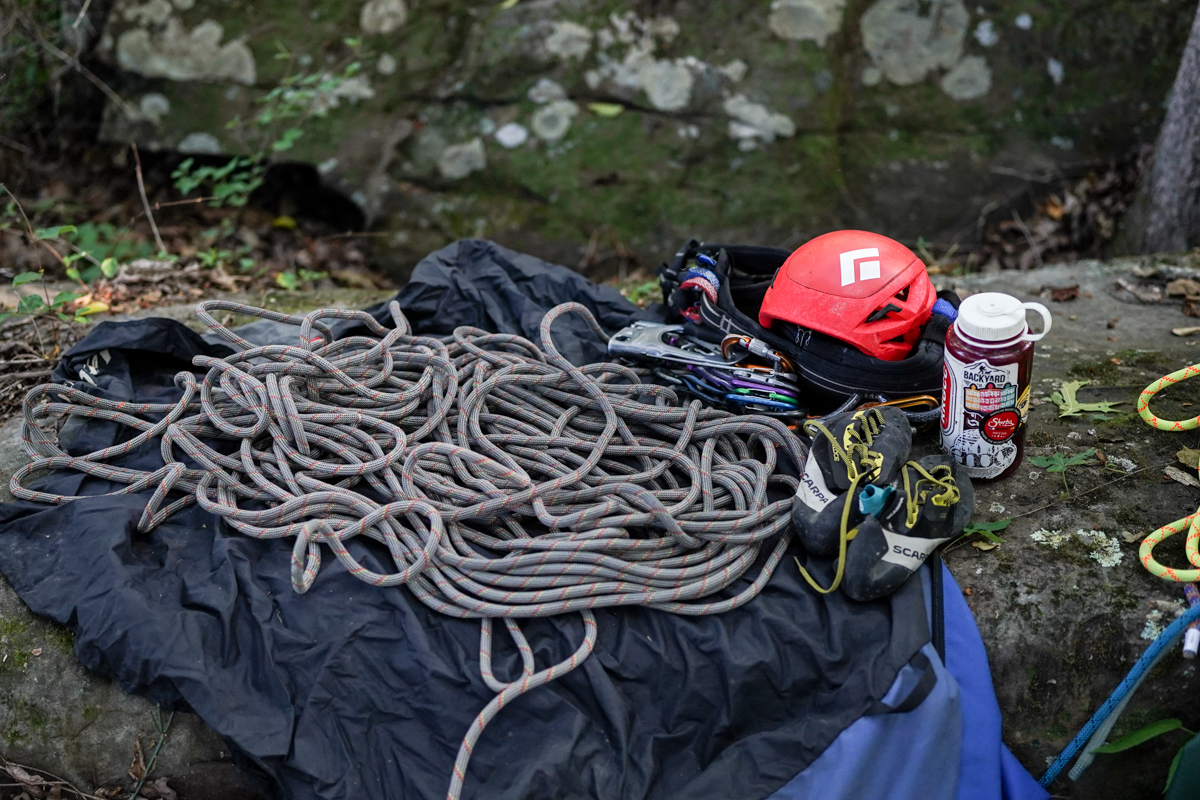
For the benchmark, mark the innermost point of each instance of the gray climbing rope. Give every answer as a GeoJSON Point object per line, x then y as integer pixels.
{"type": "Point", "coordinates": [504, 481]}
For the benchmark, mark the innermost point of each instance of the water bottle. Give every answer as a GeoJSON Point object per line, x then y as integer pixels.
{"type": "Point", "coordinates": [985, 383]}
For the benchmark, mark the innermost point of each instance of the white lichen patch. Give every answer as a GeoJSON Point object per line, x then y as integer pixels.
{"type": "Point", "coordinates": [546, 91]}
{"type": "Point", "coordinates": [970, 78]}
{"type": "Point", "coordinates": [735, 70]}
{"type": "Point", "coordinates": [906, 44]}
{"type": "Point", "coordinates": [806, 20]}
{"type": "Point", "coordinates": [459, 160]}
{"type": "Point", "coordinates": [514, 134]}
{"type": "Point", "coordinates": [181, 55]}
{"type": "Point", "coordinates": [668, 85]}
{"type": "Point", "coordinates": [985, 33]}
{"type": "Point", "coordinates": [386, 65]}
{"type": "Point", "coordinates": [200, 143]}
{"type": "Point", "coordinates": [1121, 463]}
{"type": "Point", "coordinates": [153, 107]}
{"type": "Point", "coordinates": [155, 12]}
{"type": "Point", "coordinates": [1054, 539]}
{"type": "Point", "coordinates": [551, 122]}
{"type": "Point", "coordinates": [752, 121]}
{"type": "Point", "coordinates": [382, 16]}
{"type": "Point", "coordinates": [1105, 550]}
{"type": "Point", "coordinates": [1153, 627]}
{"type": "Point", "coordinates": [568, 40]}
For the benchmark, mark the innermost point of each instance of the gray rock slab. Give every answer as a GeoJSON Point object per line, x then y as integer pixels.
{"type": "Point", "coordinates": [1061, 629]}
{"type": "Point", "coordinates": [58, 716]}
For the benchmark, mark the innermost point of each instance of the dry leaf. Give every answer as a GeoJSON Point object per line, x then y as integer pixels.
{"type": "Point", "coordinates": [1183, 287]}
{"type": "Point", "coordinates": [158, 790]}
{"type": "Point", "coordinates": [1061, 294]}
{"type": "Point", "coordinates": [37, 651]}
{"type": "Point", "coordinates": [33, 783]}
{"type": "Point", "coordinates": [1179, 476]}
{"type": "Point", "coordinates": [984, 546]}
{"type": "Point", "coordinates": [1189, 457]}
{"type": "Point", "coordinates": [137, 770]}
{"type": "Point", "coordinates": [1147, 294]}
{"type": "Point", "coordinates": [1130, 538]}
{"type": "Point", "coordinates": [1186, 331]}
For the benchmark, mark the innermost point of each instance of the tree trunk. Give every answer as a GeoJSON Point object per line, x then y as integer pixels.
{"type": "Point", "coordinates": [1172, 213]}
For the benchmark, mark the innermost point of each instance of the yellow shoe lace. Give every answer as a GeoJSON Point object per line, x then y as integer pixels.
{"type": "Point", "coordinates": [862, 465]}
{"type": "Point", "coordinates": [916, 495]}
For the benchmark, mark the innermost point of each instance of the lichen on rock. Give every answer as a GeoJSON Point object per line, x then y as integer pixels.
{"type": "Point", "coordinates": [754, 121]}
{"type": "Point", "coordinates": [971, 78]}
{"type": "Point", "coordinates": [181, 55]}
{"type": "Point", "coordinates": [552, 121]}
{"type": "Point", "coordinates": [568, 40]}
{"type": "Point", "coordinates": [382, 16]}
{"type": "Point", "coordinates": [199, 143]}
{"type": "Point", "coordinates": [806, 20]}
{"type": "Point", "coordinates": [906, 44]}
{"type": "Point", "coordinates": [459, 160]}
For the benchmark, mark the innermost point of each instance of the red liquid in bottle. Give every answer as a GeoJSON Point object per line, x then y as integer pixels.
{"type": "Point", "coordinates": [985, 384]}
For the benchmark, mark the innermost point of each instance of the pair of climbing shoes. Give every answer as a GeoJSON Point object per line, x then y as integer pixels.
{"type": "Point", "coordinates": [860, 499]}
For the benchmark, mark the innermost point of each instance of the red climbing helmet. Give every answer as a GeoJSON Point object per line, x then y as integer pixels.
{"type": "Point", "coordinates": [862, 288]}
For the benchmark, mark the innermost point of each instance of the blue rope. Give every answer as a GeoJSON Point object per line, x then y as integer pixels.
{"type": "Point", "coordinates": [1165, 639]}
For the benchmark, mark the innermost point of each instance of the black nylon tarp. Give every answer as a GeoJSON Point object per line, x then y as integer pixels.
{"type": "Point", "coordinates": [351, 691]}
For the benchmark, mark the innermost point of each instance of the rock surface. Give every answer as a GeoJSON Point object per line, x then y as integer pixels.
{"type": "Point", "coordinates": [57, 716]}
{"type": "Point", "coordinates": [764, 121]}
{"type": "Point", "coordinates": [1063, 625]}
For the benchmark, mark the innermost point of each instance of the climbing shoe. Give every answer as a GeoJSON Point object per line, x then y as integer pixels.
{"type": "Point", "coordinates": [933, 502]}
{"type": "Point", "coordinates": [849, 452]}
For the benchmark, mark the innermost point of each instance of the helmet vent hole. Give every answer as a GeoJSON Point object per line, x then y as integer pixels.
{"type": "Point", "coordinates": [902, 295]}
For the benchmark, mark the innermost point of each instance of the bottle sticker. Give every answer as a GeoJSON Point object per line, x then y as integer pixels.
{"type": "Point", "coordinates": [813, 491]}
{"type": "Point", "coordinates": [982, 414]}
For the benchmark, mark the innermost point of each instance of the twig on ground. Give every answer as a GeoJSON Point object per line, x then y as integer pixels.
{"type": "Point", "coordinates": [137, 162]}
{"type": "Point", "coordinates": [1037, 251]}
{"type": "Point", "coordinates": [82, 13]}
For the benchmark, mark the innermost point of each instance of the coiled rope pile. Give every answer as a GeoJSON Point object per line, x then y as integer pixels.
{"type": "Point", "coordinates": [503, 480]}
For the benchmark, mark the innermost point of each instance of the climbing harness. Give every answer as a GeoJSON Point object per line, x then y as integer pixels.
{"type": "Point", "coordinates": [1095, 732]}
{"type": "Point", "coordinates": [504, 481]}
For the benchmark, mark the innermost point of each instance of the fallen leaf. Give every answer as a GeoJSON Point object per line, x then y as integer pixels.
{"type": "Point", "coordinates": [1062, 294]}
{"type": "Point", "coordinates": [285, 222]}
{"type": "Point", "coordinates": [1186, 331]}
{"type": "Point", "coordinates": [967, 591]}
{"type": "Point", "coordinates": [606, 109]}
{"type": "Point", "coordinates": [1189, 457]}
{"type": "Point", "coordinates": [33, 783]}
{"type": "Point", "coordinates": [1179, 476]}
{"type": "Point", "coordinates": [37, 651]}
{"type": "Point", "coordinates": [137, 770]}
{"type": "Point", "coordinates": [158, 790]}
{"type": "Point", "coordinates": [1183, 287]}
{"type": "Point", "coordinates": [1112, 323]}
{"type": "Point", "coordinates": [1147, 294]}
{"type": "Point", "coordinates": [1130, 538]}
{"type": "Point", "coordinates": [1069, 406]}
{"type": "Point", "coordinates": [984, 546]}
{"type": "Point", "coordinates": [1191, 306]}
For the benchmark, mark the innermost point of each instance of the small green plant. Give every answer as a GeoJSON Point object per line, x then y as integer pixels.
{"type": "Point", "coordinates": [1069, 406]}
{"type": "Point", "coordinates": [1152, 731]}
{"type": "Point", "coordinates": [986, 530]}
{"type": "Point", "coordinates": [1059, 463]}
{"type": "Point", "coordinates": [293, 280]}
{"type": "Point", "coordinates": [273, 130]}
{"type": "Point", "coordinates": [60, 305]}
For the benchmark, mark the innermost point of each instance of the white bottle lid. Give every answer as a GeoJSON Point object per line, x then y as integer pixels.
{"type": "Point", "coordinates": [996, 317]}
